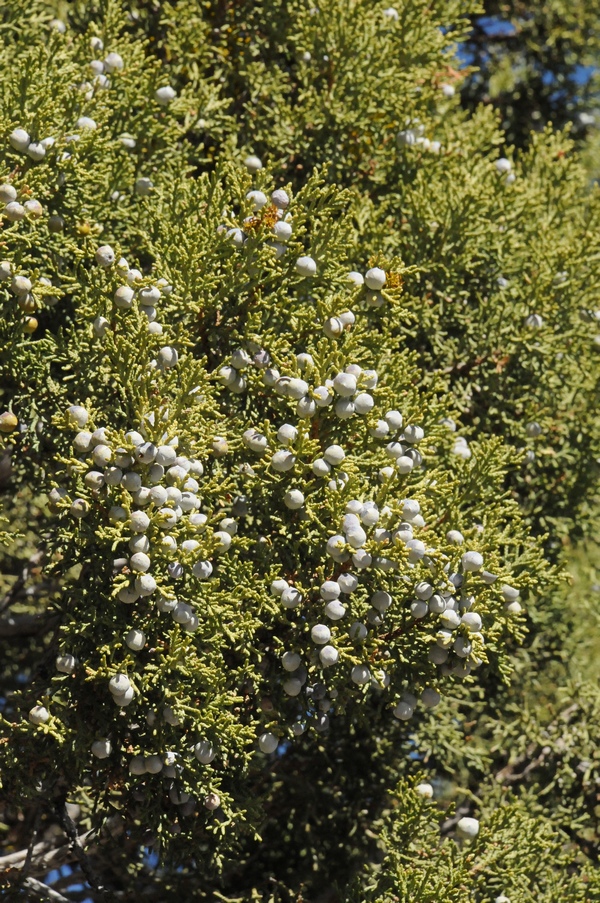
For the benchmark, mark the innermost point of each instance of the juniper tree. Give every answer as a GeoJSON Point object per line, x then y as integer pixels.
{"type": "Point", "coordinates": [245, 308]}
{"type": "Point", "coordinates": [278, 84]}
{"type": "Point", "coordinates": [536, 63]}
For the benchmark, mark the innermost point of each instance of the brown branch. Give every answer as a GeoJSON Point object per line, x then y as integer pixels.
{"type": "Point", "coordinates": [36, 825]}
{"type": "Point", "coordinates": [78, 849]}
{"type": "Point", "coordinates": [510, 776]}
{"type": "Point", "coordinates": [588, 847]}
{"type": "Point", "coordinates": [45, 856]}
{"type": "Point", "coordinates": [27, 625]}
{"type": "Point", "coordinates": [44, 891]}
{"type": "Point", "coordinates": [35, 561]}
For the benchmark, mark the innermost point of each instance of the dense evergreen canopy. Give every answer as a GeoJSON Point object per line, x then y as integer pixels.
{"type": "Point", "coordinates": [536, 63]}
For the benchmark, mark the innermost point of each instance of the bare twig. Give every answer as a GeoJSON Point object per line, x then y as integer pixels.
{"type": "Point", "coordinates": [509, 775]}
{"type": "Point", "coordinates": [33, 562]}
{"type": "Point", "coordinates": [78, 848]}
{"type": "Point", "coordinates": [17, 860]}
{"type": "Point", "coordinates": [45, 855]}
{"type": "Point", "coordinates": [36, 825]}
{"type": "Point", "coordinates": [27, 625]}
{"type": "Point", "coordinates": [44, 891]}
{"type": "Point", "coordinates": [535, 753]}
